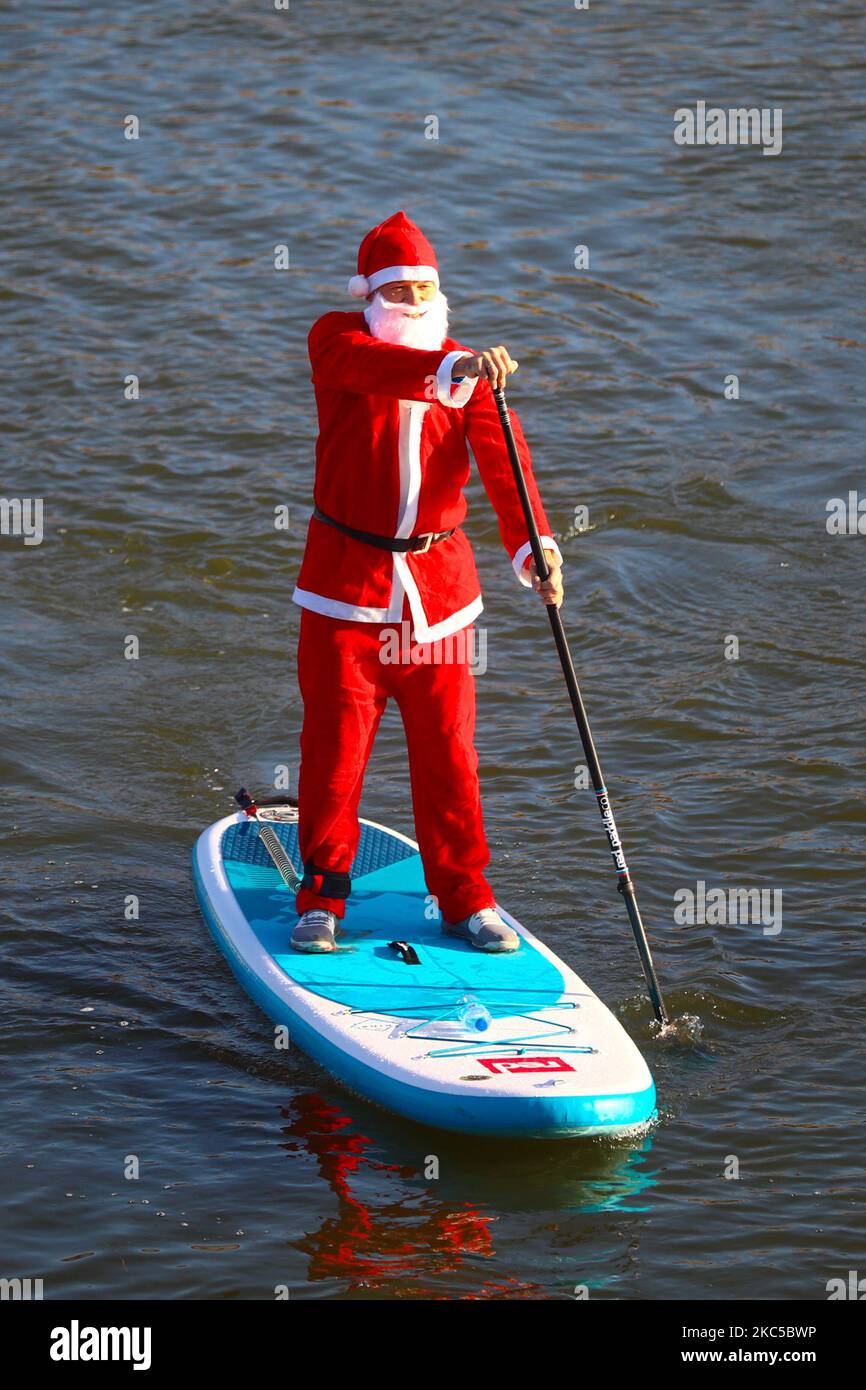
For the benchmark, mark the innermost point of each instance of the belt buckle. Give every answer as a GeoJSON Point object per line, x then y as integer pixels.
{"type": "Point", "coordinates": [428, 541]}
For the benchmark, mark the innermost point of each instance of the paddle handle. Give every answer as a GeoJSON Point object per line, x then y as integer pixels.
{"type": "Point", "coordinates": [625, 884]}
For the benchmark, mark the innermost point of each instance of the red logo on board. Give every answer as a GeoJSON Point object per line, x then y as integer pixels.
{"type": "Point", "coordinates": [512, 1065]}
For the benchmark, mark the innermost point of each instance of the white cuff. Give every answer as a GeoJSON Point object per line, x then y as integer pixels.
{"type": "Point", "coordinates": [461, 392]}
{"type": "Point", "coordinates": [547, 543]}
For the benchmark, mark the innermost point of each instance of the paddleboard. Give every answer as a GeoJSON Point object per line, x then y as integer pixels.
{"type": "Point", "coordinates": [551, 1062]}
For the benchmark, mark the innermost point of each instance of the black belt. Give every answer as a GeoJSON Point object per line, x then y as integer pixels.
{"type": "Point", "coordinates": [414, 543]}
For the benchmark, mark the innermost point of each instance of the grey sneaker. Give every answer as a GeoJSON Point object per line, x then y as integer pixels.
{"type": "Point", "coordinates": [315, 930]}
{"type": "Point", "coordinates": [486, 930]}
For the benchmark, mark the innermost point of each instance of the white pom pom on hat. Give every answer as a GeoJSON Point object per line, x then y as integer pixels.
{"type": "Point", "coordinates": [359, 287]}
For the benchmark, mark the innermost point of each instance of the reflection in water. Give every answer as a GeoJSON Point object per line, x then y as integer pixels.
{"type": "Point", "coordinates": [394, 1223]}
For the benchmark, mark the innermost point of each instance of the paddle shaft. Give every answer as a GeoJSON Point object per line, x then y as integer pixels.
{"type": "Point", "coordinates": [625, 884]}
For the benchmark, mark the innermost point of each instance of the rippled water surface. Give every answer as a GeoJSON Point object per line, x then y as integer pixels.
{"type": "Point", "coordinates": [706, 522]}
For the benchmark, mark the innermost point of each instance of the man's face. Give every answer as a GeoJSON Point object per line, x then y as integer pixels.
{"type": "Point", "coordinates": [409, 313]}
{"type": "Point", "coordinates": [407, 292]}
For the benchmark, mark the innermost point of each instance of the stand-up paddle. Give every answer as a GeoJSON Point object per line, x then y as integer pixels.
{"type": "Point", "coordinates": [626, 887]}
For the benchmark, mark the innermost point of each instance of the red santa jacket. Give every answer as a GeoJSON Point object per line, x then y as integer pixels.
{"type": "Point", "coordinates": [392, 458]}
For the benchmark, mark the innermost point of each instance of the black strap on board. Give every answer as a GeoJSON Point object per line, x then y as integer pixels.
{"type": "Point", "coordinates": [407, 953]}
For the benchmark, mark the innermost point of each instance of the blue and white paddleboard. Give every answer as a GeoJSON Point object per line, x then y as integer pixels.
{"type": "Point", "coordinates": [553, 1061]}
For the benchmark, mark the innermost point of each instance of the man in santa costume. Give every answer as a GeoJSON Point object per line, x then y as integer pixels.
{"type": "Point", "coordinates": [398, 403]}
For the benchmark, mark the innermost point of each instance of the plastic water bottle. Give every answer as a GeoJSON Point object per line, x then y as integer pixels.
{"type": "Point", "coordinates": [472, 1014]}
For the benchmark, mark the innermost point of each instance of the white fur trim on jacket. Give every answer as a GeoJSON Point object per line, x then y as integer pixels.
{"type": "Point", "coordinates": [336, 608]}
{"type": "Point", "coordinates": [547, 543]}
{"type": "Point", "coordinates": [422, 632]}
{"type": "Point", "coordinates": [450, 392]}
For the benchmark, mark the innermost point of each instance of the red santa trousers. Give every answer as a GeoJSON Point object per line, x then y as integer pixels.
{"type": "Point", "coordinates": [345, 685]}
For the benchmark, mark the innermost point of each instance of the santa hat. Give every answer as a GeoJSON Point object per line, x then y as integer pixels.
{"type": "Point", "coordinates": [395, 250]}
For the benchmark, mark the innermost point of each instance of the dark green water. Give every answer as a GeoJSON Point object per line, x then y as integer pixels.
{"type": "Point", "coordinates": [707, 519]}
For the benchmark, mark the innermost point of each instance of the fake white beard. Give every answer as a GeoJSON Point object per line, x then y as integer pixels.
{"type": "Point", "coordinates": [394, 323]}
